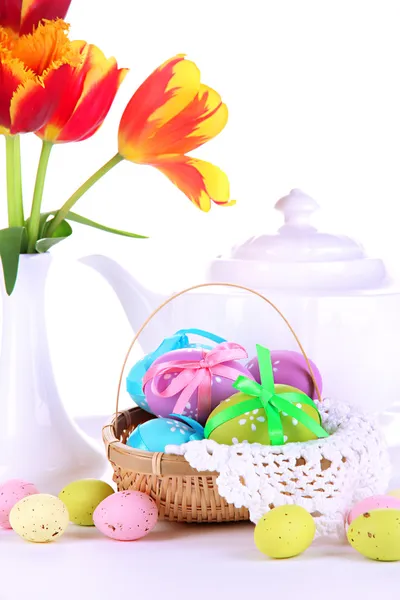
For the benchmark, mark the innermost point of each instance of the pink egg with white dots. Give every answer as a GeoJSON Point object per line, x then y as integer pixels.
{"type": "Point", "coordinates": [11, 492]}
{"type": "Point", "coordinates": [126, 516]}
{"type": "Point", "coordinates": [372, 503]}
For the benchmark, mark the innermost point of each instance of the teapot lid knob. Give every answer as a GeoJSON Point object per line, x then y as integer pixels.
{"type": "Point", "coordinates": [297, 208]}
{"type": "Point", "coordinates": [299, 256]}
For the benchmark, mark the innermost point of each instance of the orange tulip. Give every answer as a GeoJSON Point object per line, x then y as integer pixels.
{"type": "Point", "coordinates": [32, 75]}
{"type": "Point", "coordinates": [173, 113]}
{"type": "Point", "coordinates": [92, 87]}
{"type": "Point", "coordinates": [21, 16]}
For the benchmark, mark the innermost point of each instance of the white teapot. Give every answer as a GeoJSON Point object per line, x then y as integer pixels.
{"type": "Point", "coordinates": [343, 305]}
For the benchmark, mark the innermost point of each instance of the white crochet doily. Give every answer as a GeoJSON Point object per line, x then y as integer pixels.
{"type": "Point", "coordinates": [355, 464]}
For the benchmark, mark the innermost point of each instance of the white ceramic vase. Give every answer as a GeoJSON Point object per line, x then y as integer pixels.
{"type": "Point", "coordinates": [38, 440]}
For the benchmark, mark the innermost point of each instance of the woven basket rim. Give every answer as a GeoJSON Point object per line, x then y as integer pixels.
{"type": "Point", "coordinates": [140, 461]}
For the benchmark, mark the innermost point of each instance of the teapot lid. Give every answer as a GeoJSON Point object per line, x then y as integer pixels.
{"type": "Point", "coordinates": [299, 256]}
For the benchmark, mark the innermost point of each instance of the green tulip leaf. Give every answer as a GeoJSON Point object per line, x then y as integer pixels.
{"type": "Point", "coordinates": [84, 221]}
{"type": "Point", "coordinates": [13, 242]}
{"type": "Point", "coordinates": [63, 231]}
{"type": "Point", "coordinates": [42, 223]}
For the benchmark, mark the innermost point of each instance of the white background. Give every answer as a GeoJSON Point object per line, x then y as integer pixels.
{"type": "Point", "coordinates": [312, 89]}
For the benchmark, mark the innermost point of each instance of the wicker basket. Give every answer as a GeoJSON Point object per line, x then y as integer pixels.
{"type": "Point", "coordinates": [182, 494]}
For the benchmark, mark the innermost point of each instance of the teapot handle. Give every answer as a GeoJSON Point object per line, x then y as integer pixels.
{"type": "Point", "coordinates": [203, 285]}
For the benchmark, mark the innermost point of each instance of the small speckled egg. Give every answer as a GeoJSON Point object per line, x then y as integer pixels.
{"type": "Point", "coordinates": [40, 518]}
{"type": "Point", "coordinates": [126, 516]}
{"type": "Point", "coordinates": [82, 497]}
{"type": "Point", "coordinates": [11, 492]}
{"type": "Point", "coordinates": [372, 503]}
{"type": "Point", "coordinates": [284, 531]}
{"type": "Point", "coordinates": [376, 534]}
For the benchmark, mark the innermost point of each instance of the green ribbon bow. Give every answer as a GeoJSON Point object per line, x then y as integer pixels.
{"type": "Point", "coordinates": [264, 396]}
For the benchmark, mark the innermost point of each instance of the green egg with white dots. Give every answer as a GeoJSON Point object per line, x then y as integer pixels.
{"type": "Point", "coordinates": [284, 531]}
{"type": "Point", "coordinates": [252, 426]}
{"type": "Point", "coordinates": [376, 534]}
{"type": "Point", "coordinates": [82, 497]}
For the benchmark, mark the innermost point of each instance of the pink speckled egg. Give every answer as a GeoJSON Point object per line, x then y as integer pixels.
{"type": "Point", "coordinates": [372, 503]}
{"type": "Point", "coordinates": [290, 368]}
{"type": "Point", "coordinates": [126, 516]}
{"type": "Point", "coordinates": [221, 386]}
{"type": "Point", "coordinates": [11, 492]}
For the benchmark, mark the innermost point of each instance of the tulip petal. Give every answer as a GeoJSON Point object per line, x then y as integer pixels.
{"type": "Point", "coordinates": [34, 103]}
{"type": "Point", "coordinates": [12, 75]}
{"type": "Point", "coordinates": [22, 16]}
{"type": "Point", "coordinates": [74, 80]}
{"type": "Point", "coordinates": [201, 181]}
{"type": "Point", "coordinates": [164, 94]}
{"type": "Point", "coordinates": [10, 14]}
{"type": "Point", "coordinates": [91, 91]}
{"type": "Point", "coordinates": [200, 121]}
{"type": "Point", "coordinates": [33, 11]}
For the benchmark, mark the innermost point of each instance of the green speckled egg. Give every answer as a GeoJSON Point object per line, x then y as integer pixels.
{"type": "Point", "coordinates": [284, 531]}
{"type": "Point", "coordinates": [376, 534]}
{"type": "Point", "coordinates": [252, 427]}
{"type": "Point", "coordinates": [82, 497]}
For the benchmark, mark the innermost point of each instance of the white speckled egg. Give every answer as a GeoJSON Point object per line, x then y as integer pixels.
{"type": "Point", "coordinates": [41, 518]}
{"type": "Point", "coordinates": [11, 492]}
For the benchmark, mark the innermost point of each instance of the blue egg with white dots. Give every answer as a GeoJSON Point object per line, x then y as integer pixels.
{"type": "Point", "coordinates": [155, 435]}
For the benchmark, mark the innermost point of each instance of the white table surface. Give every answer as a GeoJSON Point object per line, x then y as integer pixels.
{"type": "Point", "coordinates": [192, 561]}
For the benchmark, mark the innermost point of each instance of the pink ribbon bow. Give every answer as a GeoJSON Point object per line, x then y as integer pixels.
{"type": "Point", "coordinates": [195, 375]}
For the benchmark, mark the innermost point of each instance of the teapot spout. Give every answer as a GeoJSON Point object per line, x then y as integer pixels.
{"type": "Point", "coordinates": [137, 302]}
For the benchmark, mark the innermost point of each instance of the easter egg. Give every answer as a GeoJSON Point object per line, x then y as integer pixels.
{"type": "Point", "coordinates": [11, 492]}
{"type": "Point", "coordinates": [290, 368]}
{"type": "Point", "coordinates": [221, 387]}
{"type": "Point", "coordinates": [376, 534]}
{"type": "Point", "coordinates": [82, 497]}
{"type": "Point", "coordinates": [394, 493]}
{"type": "Point", "coordinates": [134, 381]}
{"type": "Point", "coordinates": [126, 516]}
{"type": "Point", "coordinates": [252, 427]}
{"type": "Point", "coordinates": [40, 518]}
{"type": "Point", "coordinates": [372, 503]}
{"type": "Point", "coordinates": [284, 531]}
{"type": "Point", "coordinates": [155, 435]}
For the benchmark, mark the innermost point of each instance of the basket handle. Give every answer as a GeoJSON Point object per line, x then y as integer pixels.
{"type": "Point", "coordinates": [203, 285]}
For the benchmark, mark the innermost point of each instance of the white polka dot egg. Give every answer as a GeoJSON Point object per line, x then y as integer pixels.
{"type": "Point", "coordinates": [155, 435]}
{"type": "Point", "coordinates": [252, 426]}
{"type": "Point", "coordinates": [40, 518]}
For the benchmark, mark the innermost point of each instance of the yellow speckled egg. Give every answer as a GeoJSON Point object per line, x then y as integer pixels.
{"type": "Point", "coordinates": [39, 518]}
{"type": "Point", "coordinates": [284, 532]}
{"type": "Point", "coordinates": [82, 497]}
{"type": "Point", "coordinates": [376, 534]}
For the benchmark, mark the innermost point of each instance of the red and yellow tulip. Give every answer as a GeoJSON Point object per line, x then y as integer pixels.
{"type": "Point", "coordinates": [33, 71]}
{"type": "Point", "coordinates": [92, 86]}
{"type": "Point", "coordinates": [22, 16]}
{"type": "Point", "coordinates": [171, 114]}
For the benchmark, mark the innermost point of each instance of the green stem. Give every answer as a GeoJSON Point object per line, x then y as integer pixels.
{"type": "Point", "coordinates": [64, 210]}
{"type": "Point", "coordinates": [14, 187]}
{"type": "Point", "coordinates": [34, 221]}
{"type": "Point", "coordinates": [19, 208]}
